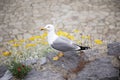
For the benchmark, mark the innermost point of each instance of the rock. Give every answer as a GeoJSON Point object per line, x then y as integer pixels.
{"type": "Point", "coordinates": [43, 75]}
{"type": "Point", "coordinates": [3, 69]}
{"type": "Point", "coordinates": [115, 61]}
{"type": "Point", "coordinates": [43, 60]}
{"type": "Point", "coordinates": [100, 69]}
{"type": "Point", "coordinates": [7, 76]}
{"type": "Point", "coordinates": [69, 61]}
{"type": "Point", "coordinates": [114, 49]}
{"type": "Point", "coordinates": [112, 78]}
{"type": "Point", "coordinates": [91, 54]}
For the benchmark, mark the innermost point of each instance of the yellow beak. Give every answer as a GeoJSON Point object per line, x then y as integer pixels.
{"type": "Point", "coordinates": [42, 28]}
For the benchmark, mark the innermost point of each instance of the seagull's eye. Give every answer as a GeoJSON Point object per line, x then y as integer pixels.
{"type": "Point", "coordinates": [48, 27]}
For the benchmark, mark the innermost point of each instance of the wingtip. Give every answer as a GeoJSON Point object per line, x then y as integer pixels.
{"type": "Point", "coordinates": [87, 48]}
{"type": "Point", "coordinates": [84, 48]}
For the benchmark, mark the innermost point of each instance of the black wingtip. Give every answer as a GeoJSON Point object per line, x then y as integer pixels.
{"type": "Point", "coordinates": [84, 48]}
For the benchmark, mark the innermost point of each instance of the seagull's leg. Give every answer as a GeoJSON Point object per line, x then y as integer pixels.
{"type": "Point", "coordinates": [60, 54]}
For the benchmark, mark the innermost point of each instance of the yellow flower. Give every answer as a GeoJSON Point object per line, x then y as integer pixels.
{"type": "Point", "coordinates": [22, 40]}
{"type": "Point", "coordinates": [55, 58]}
{"type": "Point", "coordinates": [65, 34]}
{"type": "Point", "coordinates": [59, 33]}
{"type": "Point", "coordinates": [62, 33]}
{"type": "Point", "coordinates": [44, 43]}
{"type": "Point", "coordinates": [31, 38]}
{"type": "Point", "coordinates": [70, 37]}
{"type": "Point", "coordinates": [44, 35]}
{"type": "Point", "coordinates": [37, 37]}
{"type": "Point", "coordinates": [30, 45]}
{"type": "Point", "coordinates": [76, 31]}
{"type": "Point", "coordinates": [6, 53]}
{"type": "Point", "coordinates": [60, 54]}
{"type": "Point", "coordinates": [85, 37]}
{"type": "Point", "coordinates": [11, 41]}
{"type": "Point", "coordinates": [16, 45]}
{"type": "Point", "coordinates": [88, 37]}
{"type": "Point", "coordinates": [97, 41]}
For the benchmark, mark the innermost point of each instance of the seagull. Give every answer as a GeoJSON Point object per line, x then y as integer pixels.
{"type": "Point", "coordinates": [61, 43]}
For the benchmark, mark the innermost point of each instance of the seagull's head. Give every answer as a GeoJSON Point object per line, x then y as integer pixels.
{"type": "Point", "coordinates": [48, 27]}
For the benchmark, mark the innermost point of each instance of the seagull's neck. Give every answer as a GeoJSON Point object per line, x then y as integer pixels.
{"type": "Point", "coordinates": [51, 36]}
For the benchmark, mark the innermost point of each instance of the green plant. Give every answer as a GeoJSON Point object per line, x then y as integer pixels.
{"type": "Point", "coordinates": [18, 70]}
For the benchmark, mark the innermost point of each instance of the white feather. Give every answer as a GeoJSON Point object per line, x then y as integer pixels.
{"type": "Point", "coordinates": [51, 37]}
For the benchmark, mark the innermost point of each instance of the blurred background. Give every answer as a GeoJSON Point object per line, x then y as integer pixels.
{"type": "Point", "coordinates": [22, 18]}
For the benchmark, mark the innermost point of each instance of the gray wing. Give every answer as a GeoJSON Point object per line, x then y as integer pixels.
{"type": "Point", "coordinates": [64, 44]}
{"type": "Point", "coordinates": [66, 39]}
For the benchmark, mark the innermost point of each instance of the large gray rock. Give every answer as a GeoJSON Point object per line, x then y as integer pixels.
{"type": "Point", "coordinates": [100, 69]}
{"type": "Point", "coordinates": [43, 60]}
{"type": "Point", "coordinates": [7, 76]}
{"type": "Point", "coordinates": [43, 75]}
{"type": "Point", "coordinates": [3, 69]}
{"type": "Point", "coordinates": [114, 49]}
{"type": "Point", "coordinates": [69, 61]}
{"type": "Point", "coordinates": [91, 54]}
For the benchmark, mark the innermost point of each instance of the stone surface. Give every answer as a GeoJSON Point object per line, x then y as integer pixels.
{"type": "Point", "coordinates": [43, 60]}
{"type": "Point", "coordinates": [69, 61]}
{"type": "Point", "coordinates": [6, 76]}
{"type": "Point", "coordinates": [91, 54]}
{"type": "Point", "coordinates": [116, 61]}
{"type": "Point", "coordinates": [99, 69]}
{"type": "Point", "coordinates": [44, 75]}
{"type": "Point", "coordinates": [114, 49]}
{"type": "Point", "coordinates": [3, 69]}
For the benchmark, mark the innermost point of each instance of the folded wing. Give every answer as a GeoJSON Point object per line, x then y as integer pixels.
{"type": "Point", "coordinates": [64, 44]}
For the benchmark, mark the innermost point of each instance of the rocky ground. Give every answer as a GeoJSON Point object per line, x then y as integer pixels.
{"type": "Point", "coordinates": [73, 66]}
{"type": "Point", "coordinates": [98, 18]}
{"type": "Point", "coordinates": [76, 67]}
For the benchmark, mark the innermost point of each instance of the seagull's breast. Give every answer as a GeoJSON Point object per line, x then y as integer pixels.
{"type": "Point", "coordinates": [51, 38]}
